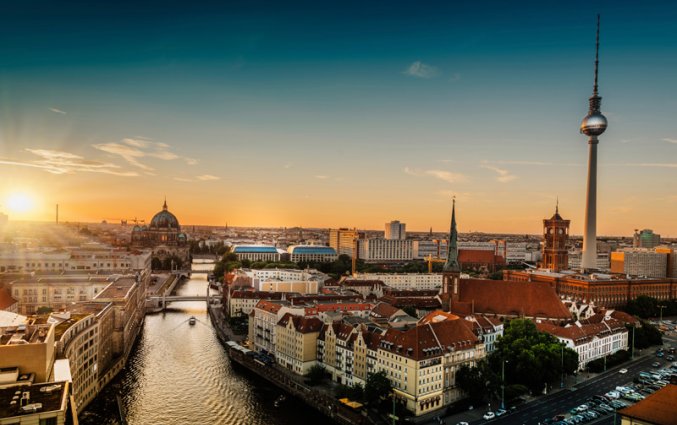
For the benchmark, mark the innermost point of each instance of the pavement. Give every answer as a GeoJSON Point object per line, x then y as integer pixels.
{"type": "Point", "coordinates": [559, 401]}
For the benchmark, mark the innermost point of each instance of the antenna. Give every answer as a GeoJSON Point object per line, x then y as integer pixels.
{"type": "Point", "coordinates": [594, 90]}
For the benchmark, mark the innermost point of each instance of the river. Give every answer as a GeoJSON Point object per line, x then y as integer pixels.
{"type": "Point", "coordinates": [180, 374]}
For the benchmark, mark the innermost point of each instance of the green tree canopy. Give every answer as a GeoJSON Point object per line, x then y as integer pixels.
{"type": "Point", "coordinates": [378, 386]}
{"type": "Point", "coordinates": [533, 358]}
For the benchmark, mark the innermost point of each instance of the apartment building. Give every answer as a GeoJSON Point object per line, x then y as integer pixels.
{"type": "Point", "coordinates": [296, 342]}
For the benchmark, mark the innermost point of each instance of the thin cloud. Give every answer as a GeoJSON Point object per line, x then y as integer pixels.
{"type": "Point", "coordinates": [322, 177]}
{"type": "Point", "coordinates": [182, 179]}
{"type": "Point", "coordinates": [669, 140]}
{"type": "Point", "coordinates": [190, 161]}
{"type": "Point", "coordinates": [59, 162]}
{"type": "Point", "coordinates": [57, 110]}
{"type": "Point", "coordinates": [133, 149]}
{"type": "Point", "coordinates": [419, 69]}
{"type": "Point", "coordinates": [443, 175]}
{"type": "Point", "coordinates": [207, 177]}
{"type": "Point", "coordinates": [652, 164]}
{"type": "Point", "coordinates": [504, 175]}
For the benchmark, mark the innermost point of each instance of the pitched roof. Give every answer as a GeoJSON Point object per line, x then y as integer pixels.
{"type": "Point", "coordinates": [658, 408]}
{"type": "Point", "coordinates": [6, 299]}
{"type": "Point", "coordinates": [383, 311]}
{"type": "Point", "coordinates": [430, 340]}
{"type": "Point", "coordinates": [583, 333]}
{"type": "Point", "coordinates": [302, 324]}
{"type": "Point", "coordinates": [509, 298]}
{"type": "Point", "coordinates": [268, 306]}
{"type": "Point", "coordinates": [437, 316]}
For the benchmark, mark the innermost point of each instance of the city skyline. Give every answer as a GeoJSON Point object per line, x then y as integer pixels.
{"type": "Point", "coordinates": [237, 115]}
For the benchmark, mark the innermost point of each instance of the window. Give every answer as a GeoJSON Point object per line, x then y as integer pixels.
{"type": "Point", "coordinates": [48, 421]}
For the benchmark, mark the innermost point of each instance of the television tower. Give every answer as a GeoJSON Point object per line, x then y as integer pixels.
{"type": "Point", "coordinates": [593, 125]}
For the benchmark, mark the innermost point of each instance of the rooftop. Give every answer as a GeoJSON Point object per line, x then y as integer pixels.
{"type": "Point", "coordinates": [311, 249]}
{"type": "Point", "coordinates": [51, 396]}
{"type": "Point", "coordinates": [658, 408]}
{"type": "Point", "coordinates": [117, 289]}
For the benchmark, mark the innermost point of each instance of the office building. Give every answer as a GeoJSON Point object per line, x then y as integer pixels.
{"type": "Point", "coordinates": [395, 230]}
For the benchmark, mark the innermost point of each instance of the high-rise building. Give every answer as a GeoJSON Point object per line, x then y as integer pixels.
{"type": "Point", "coordinates": [344, 240]}
{"type": "Point", "coordinates": [378, 250]}
{"type": "Point", "coordinates": [646, 238]}
{"type": "Point", "coordinates": [642, 262]}
{"type": "Point", "coordinates": [593, 125]}
{"type": "Point", "coordinates": [555, 237]}
{"type": "Point", "coordinates": [396, 230]}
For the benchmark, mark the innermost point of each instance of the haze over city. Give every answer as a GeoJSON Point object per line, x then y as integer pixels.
{"type": "Point", "coordinates": [321, 115]}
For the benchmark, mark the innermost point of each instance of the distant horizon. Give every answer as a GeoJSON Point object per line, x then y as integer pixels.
{"type": "Point", "coordinates": [538, 235]}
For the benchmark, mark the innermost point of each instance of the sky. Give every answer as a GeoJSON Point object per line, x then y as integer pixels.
{"type": "Point", "coordinates": [327, 114]}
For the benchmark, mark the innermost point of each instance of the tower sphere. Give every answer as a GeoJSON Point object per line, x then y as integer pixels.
{"type": "Point", "coordinates": [593, 124]}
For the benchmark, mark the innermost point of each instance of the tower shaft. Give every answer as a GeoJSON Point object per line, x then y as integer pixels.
{"type": "Point", "coordinates": [589, 259]}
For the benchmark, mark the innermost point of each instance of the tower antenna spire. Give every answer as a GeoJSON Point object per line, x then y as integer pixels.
{"type": "Point", "coordinates": [594, 89]}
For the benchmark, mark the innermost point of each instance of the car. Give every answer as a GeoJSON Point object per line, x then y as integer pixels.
{"type": "Point", "coordinates": [655, 364]}
{"type": "Point", "coordinates": [501, 412]}
{"type": "Point", "coordinates": [623, 371]}
{"type": "Point", "coordinates": [670, 358]}
{"type": "Point", "coordinates": [489, 415]}
{"type": "Point", "coordinates": [660, 354]}
{"type": "Point", "coordinates": [462, 423]}
{"type": "Point", "coordinates": [613, 395]}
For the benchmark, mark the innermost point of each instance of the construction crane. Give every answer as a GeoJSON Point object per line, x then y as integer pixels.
{"type": "Point", "coordinates": [124, 221]}
{"type": "Point", "coordinates": [432, 260]}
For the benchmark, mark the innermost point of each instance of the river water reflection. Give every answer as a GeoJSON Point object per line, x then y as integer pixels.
{"type": "Point", "coordinates": [180, 374]}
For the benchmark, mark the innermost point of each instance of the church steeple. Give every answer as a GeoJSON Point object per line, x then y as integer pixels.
{"type": "Point", "coordinates": [452, 248]}
{"type": "Point", "coordinates": [164, 206]}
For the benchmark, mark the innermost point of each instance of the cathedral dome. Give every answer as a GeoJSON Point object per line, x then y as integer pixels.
{"type": "Point", "coordinates": [164, 220]}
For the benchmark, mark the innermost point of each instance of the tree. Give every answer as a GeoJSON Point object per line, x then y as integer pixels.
{"type": "Point", "coordinates": [535, 358]}
{"type": "Point", "coordinates": [478, 382]}
{"type": "Point", "coordinates": [44, 310]}
{"type": "Point", "coordinates": [315, 375]}
{"type": "Point", "coordinates": [378, 387]}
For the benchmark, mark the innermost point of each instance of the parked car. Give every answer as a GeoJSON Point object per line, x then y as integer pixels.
{"type": "Point", "coordinates": [623, 371]}
{"type": "Point", "coordinates": [501, 412]}
{"type": "Point", "coordinates": [489, 415]}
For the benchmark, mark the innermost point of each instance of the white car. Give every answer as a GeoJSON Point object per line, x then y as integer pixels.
{"type": "Point", "coordinates": [489, 415]}
{"type": "Point", "coordinates": [613, 394]}
{"type": "Point", "coordinates": [623, 371]}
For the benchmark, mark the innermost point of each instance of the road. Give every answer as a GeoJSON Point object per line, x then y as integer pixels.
{"type": "Point", "coordinates": [562, 401]}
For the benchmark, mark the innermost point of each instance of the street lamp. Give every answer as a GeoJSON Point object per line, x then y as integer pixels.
{"type": "Point", "coordinates": [661, 307]}
{"type": "Point", "coordinates": [632, 350]}
{"type": "Point", "coordinates": [561, 384]}
{"type": "Point", "coordinates": [503, 384]}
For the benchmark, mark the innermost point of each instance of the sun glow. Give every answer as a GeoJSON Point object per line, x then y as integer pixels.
{"type": "Point", "coordinates": [20, 202]}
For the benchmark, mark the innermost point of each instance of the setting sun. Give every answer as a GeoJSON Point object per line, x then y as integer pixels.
{"type": "Point", "coordinates": [19, 202]}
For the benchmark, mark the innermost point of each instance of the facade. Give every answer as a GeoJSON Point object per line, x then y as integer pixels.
{"type": "Point", "coordinates": [376, 250]}
{"type": "Point", "coordinates": [646, 238]}
{"type": "Point", "coordinates": [287, 286]}
{"type": "Point", "coordinates": [164, 236]}
{"type": "Point", "coordinates": [591, 341]}
{"type": "Point", "coordinates": [84, 337]}
{"type": "Point", "coordinates": [343, 240]}
{"type": "Point", "coordinates": [90, 257]}
{"type": "Point", "coordinates": [56, 291]}
{"type": "Point", "coordinates": [296, 342]}
{"type": "Point", "coordinates": [395, 230]}
{"type": "Point", "coordinates": [262, 325]}
{"type": "Point", "coordinates": [603, 260]}
{"type": "Point", "coordinates": [242, 303]}
{"type": "Point", "coordinates": [603, 290]}
{"type": "Point", "coordinates": [434, 248]}
{"type": "Point", "coordinates": [518, 252]}
{"type": "Point", "coordinates": [404, 281]}
{"type": "Point", "coordinates": [256, 252]}
{"type": "Point", "coordinates": [312, 253]}
{"type": "Point", "coordinates": [422, 362]}
{"type": "Point", "coordinates": [555, 237]}
{"type": "Point", "coordinates": [672, 260]}
{"type": "Point", "coordinates": [643, 262]}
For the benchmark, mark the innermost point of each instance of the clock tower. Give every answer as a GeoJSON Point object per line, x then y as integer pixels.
{"type": "Point", "coordinates": [555, 237]}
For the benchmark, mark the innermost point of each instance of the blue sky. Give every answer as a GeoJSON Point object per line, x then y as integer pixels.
{"type": "Point", "coordinates": [345, 114]}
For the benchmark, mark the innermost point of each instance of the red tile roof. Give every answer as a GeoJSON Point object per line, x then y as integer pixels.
{"type": "Point", "coordinates": [302, 324]}
{"type": "Point", "coordinates": [6, 299]}
{"type": "Point", "coordinates": [509, 298]}
{"type": "Point", "coordinates": [360, 283]}
{"type": "Point", "coordinates": [268, 306]}
{"type": "Point", "coordinates": [658, 408]}
{"type": "Point", "coordinates": [383, 311]}
{"type": "Point", "coordinates": [437, 316]}
{"type": "Point", "coordinates": [431, 340]}
{"type": "Point", "coordinates": [257, 294]}
{"type": "Point", "coordinates": [585, 332]}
